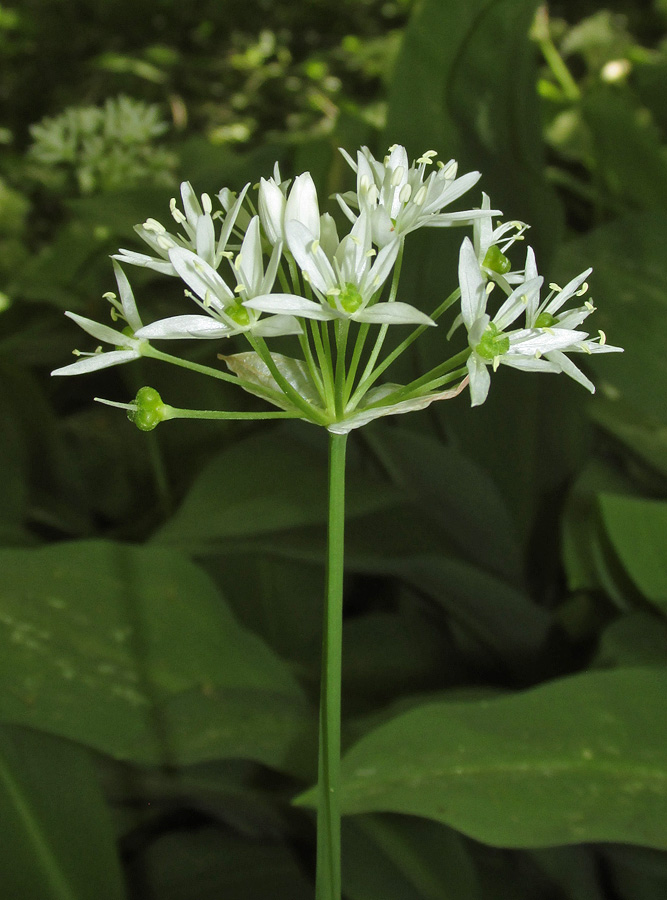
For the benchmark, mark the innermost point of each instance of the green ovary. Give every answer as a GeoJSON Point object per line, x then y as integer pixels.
{"type": "Point", "coordinates": [496, 261]}
{"type": "Point", "coordinates": [350, 299]}
{"type": "Point", "coordinates": [238, 314]}
{"type": "Point", "coordinates": [545, 320]}
{"type": "Point", "coordinates": [494, 343]}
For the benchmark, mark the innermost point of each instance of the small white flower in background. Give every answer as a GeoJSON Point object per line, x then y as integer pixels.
{"type": "Point", "coordinates": [128, 346]}
{"type": "Point", "coordinates": [399, 199]}
{"type": "Point", "coordinates": [490, 343]}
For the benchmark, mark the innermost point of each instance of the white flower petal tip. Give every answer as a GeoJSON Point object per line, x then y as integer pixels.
{"type": "Point", "coordinates": [363, 416]}
{"type": "Point", "coordinates": [96, 361]}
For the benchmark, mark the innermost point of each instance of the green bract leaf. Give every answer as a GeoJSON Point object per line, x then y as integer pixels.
{"type": "Point", "coordinates": [250, 367]}
{"type": "Point", "coordinates": [558, 764]}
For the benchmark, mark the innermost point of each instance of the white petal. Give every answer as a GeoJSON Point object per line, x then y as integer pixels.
{"type": "Point", "coordinates": [127, 298]}
{"type": "Point", "coordinates": [310, 257]}
{"type": "Point", "coordinates": [289, 304]}
{"type": "Point", "coordinates": [471, 280]}
{"type": "Point", "coordinates": [251, 269]}
{"type": "Point", "coordinates": [180, 327]}
{"type": "Point", "coordinates": [271, 205]}
{"type": "Point", "coordinates": [98, 361]}
{"type": "Point", "coordinates": [516, 304]}
{"type": "Point", "coordinates": [146, 262]}
{"type": "Point", "coordinates": [528, 363]}
{"type": "Point", "coordinates": [102, 332]}
{"type": "Point", "coordinates": [392, 314]}
{"type": "Point", "coordinates": [302, 204]}
{"type": "Point", "coordinates": [273, 326]}
{"type": "Point", "coordinates": [568, 367]}
{"type": "Point", "coordinates": [480, 380]}
{"type": "Point", "coordinates": [198, 275]}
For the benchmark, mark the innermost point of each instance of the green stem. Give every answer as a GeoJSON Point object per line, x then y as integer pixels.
{"type": "Point", "coordinates": [266, 393]}
{"type": "Point", "coordinates": [310, 412]}
{"type": "Point", "coordinates": [172, 412]}
{"type": "Point", "coordinates": [379, 341]}
{"type": "Point", "coordinates": [368, 380]}
{"type": "Point", "coordinates": [327, 880]}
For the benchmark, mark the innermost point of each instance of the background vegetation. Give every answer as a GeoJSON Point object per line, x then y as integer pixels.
{"type": "Point", "coordinates": [160, 596]}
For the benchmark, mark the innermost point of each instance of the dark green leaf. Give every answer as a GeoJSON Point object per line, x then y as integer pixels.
{"type": "Point", "coordinates": [132, 651]}
{"type": "Point", "coordinates": [269, 482]}
{"type": "Point", "coordinates": [400, 858]}
{"type": "Point", "coordinates": [637, 529]}
{"type": "Point", "coordinates": [56, 837]}
{"type": "Point", "coordinates": [557, 764]}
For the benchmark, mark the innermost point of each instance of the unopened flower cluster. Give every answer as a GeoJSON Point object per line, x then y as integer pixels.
{"type": "Point", "coordinates": [268, 264]}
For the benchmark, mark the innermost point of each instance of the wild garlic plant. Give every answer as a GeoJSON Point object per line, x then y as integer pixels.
{"type": "Point", "coordinates": [276, 266]}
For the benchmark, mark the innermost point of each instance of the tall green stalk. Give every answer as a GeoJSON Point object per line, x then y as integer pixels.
{"type": "Point", "coordinates": [327, 881]}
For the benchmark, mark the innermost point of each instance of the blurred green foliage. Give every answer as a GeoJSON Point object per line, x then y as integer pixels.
{"type": "Point", "coordinates": [160, 598]}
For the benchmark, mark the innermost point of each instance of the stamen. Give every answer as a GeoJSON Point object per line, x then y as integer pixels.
{"type": "Point", "coordinates": [496, 363]}
{"type": "Point", "coordinates": [489, 287]}
{"type": "Point", "coordinates": [554, 287]}
{"type": "Point", "coordinates": [110, 296]}
{"type": "Point", "coordinates": [451, 170]}
{"type": "Point", "coordinates": [155, 226]}
{"type": "Point", "coordinates": [589, 306]}
{"type": "Point", "coordinates": [370, 253]}
{"type": "Point", "coordinates": [315, 246]}
{"type": "Point", "coordinates": [237, 262]}
{"type": "Point", "coordinates": [406, 192]}
{"type": "Point", "coordinates": [420, 196]}
{"type": "Point", "coordinates": [397, 176]}
{"type": "Point", "coordinates": [603, 338]}
{"type": "Point", "coordinates": [206, 204]}
{"type": "Point", "coordinates": [582, 290]}
{"type": "Point", "coordinates": [373, 194]}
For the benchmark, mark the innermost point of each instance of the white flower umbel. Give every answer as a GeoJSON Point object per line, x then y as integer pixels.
{"type": "Point", "coordinates": [491, 345]}
{"type": "Point", "coordinates": [128, 347]}
{"type": "Point", "coordinates": [198, 226]}
{"type": "Point", "coordinates": [399, 197]}
{"type": "Point", "coordinates": [346, 281]}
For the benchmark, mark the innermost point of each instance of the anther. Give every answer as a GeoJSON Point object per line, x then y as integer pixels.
{"type": "Point", "coordinates": [397, 176]}
{"type": "Point", "coordinates": [406, 192]}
